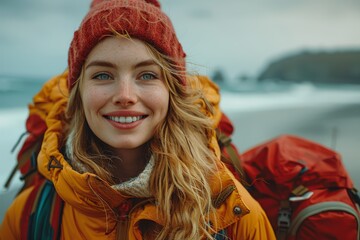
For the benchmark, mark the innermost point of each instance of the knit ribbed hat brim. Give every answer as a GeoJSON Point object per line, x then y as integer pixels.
{"type": "Point", "coordinates": [136, 18]}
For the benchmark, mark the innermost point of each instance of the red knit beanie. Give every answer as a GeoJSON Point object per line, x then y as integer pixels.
{"type": "Point", "coordinates": [141, 19]}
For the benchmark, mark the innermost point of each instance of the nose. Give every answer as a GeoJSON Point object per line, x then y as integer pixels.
{"type": "Point", "coordinates": [124, 93]}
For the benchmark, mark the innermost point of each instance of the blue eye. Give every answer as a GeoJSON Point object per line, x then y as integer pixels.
{"type": "Point", "coordinates": [102, 76]}
{"type": "Point", "coordinates": [148, 76]}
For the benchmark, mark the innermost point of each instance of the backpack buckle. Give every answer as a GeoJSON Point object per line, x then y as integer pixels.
{"type": "Point", "coordinates": [284, 219]}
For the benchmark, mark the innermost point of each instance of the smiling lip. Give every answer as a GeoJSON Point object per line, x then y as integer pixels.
{"type": "Point", "coordinates": [125, 119]}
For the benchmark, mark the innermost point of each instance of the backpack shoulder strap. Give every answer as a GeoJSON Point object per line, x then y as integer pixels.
{"type": "Point", "coordinates": [229, 154]}
{"type": "Point", "coordinates": [321, 207]}
{"type": "Point", "coordinates": [42, 214]}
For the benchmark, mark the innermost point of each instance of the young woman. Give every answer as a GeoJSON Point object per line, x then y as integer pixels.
{"type": "Point", "coordinates": [132, 150]}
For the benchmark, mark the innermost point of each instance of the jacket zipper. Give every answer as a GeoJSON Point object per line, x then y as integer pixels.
{"type": "Point", "coordinates": [122, 228]}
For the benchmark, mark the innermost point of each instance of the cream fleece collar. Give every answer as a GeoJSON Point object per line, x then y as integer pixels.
{"type": "Point", "coordinates": [136, 187]}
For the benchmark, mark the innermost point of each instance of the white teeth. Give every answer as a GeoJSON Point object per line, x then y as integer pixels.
{"type": "Point", "coordinates": [125, 119]}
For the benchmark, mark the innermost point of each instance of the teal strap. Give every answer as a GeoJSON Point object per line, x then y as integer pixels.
{"type": "Point", "coordinates": [221, 235]}
{"type": "Point", "coordinates": [40, 222]}
{"type": "Point", "coordinates": [323, 207]}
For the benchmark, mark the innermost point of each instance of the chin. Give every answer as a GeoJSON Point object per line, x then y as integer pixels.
{"type": "Point", "coordinates": [126, 146]}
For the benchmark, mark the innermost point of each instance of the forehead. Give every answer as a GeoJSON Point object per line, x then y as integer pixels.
{"type": "Point", "coordinates": [117, 48]}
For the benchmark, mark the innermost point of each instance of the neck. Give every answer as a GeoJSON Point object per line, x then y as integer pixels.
{"type": "Point", "coordinates": [131, 162]}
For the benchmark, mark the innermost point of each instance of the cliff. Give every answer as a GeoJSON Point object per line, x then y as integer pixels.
{"type": "Point", "coordinates": [316, 67]}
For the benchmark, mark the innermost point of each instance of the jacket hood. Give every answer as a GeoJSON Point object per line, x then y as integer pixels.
{"type": "Point", "coordinates": [93, 196]}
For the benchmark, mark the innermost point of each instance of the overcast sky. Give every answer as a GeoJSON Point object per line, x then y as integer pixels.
{"type": "Point", "coordinates": [239, 36]}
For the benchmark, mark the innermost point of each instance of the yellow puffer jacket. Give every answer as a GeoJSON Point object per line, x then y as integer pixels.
{"type": "Point", "coordinates": [90, 202]}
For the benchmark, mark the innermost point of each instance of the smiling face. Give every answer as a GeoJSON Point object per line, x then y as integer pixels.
{"type": "Point", "coordinates": [123, 93]}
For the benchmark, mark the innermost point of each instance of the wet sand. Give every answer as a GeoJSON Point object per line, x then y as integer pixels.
{"type": "Point", "coordinates": [334, 126]}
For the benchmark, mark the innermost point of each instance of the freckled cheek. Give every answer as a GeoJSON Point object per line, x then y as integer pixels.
{"type": "Point", "coordinates": [161, 102]}
{"type": "Point", "coordinates": [93, 99]}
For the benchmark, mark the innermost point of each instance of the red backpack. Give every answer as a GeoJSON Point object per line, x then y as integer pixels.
{"type": "Point", "coordinates": [302, 186]}
{"type": "Point", "coordinates": [304, 189]}
{"type": "Point", "coordinates": [41, 217]}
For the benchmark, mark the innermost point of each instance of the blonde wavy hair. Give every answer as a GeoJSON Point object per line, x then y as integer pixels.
{"type": "Point", "coordinates": [184, 162]}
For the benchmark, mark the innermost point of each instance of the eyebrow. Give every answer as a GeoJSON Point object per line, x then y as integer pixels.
{"type": "Point", "coordinates": [98, 63]}
{"type": "Point", "coordinates": [146, 63]}
{"type": "Point", "coordinates": [101, 63]}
